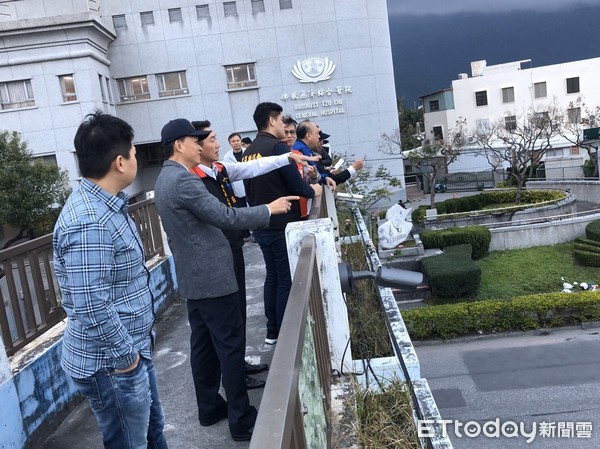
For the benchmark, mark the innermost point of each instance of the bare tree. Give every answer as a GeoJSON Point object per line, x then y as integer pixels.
{"type": "Point", "coordinates": [435, 154]}
{"type": "Point", "coordinates": [521, 141]}
{"type": "Point", "coordinates": [577, 117]}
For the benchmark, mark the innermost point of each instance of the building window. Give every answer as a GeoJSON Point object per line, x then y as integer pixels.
{"type": "Point", "coordinates": [574, 115]}
{"type": "Point", "coordinates": [175, 15]}
{"type": "Point", "coordinates": [258, 6]}
{"type": "Point", "coordinates": [483, 125]}
{"type": "Point", "coordinates": [438, 133]}
{"type": "Point", "coordinates": [16, 94]}
{"type": "Point", "coordinates": [49, 159]}
{"type": "Point", "coordinates": [147, 18]}
{"type": "Point", "coordinates": [541, 119]}
{"type": "Point", "coordinates": [573, 85]}
{"type": "Point", "coordinates": [574, 150]}
{"type": "Point", "coordinates": [119, 21]}
{"type": "Point", "coordinates": [481, 98]}
{"type": "Point", "coordinates": [510, 122]}
{"type": "Point", "coordinates": [285, 4]}
{"type": "Point", "coordinates": [539, 90]}
{"type": "Point", "coordinates": [241, 75]}
{"type": "Point", "coordinates": [434, 105]}
{"type": "Point", "coordinates": [202, 12]}
{"type": "Point", "coordinates": [109, 90]}
{"type": "Point", "coordinates": [172, 84]}
{"type": "Point", "coordinates": [229, 9]}
{"type": "Point", "coordinates": [508, 95]}
{"type": "Point", "coordinates": [102, 91]}
{"type": "Point", "coordinates": [67, 86]}
{"type": "Point", "coordinates": [132, 89]}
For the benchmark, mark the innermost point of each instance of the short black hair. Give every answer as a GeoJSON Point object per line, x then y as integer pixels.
{"type": "Point", "coordinates": [263, 112]}
{"type": "Point", "coordinates": [100, 138]}
{"type": "Point", "coordinates": [287, 120]}
{"type": "Point", "coordinates": [201, 125]}
{"type": "Point", "coordinates": [247, 140]}
{"type": "Point", "coordinates": [233, 135]}
{"type": "Point", "coordinates": [303, 129]}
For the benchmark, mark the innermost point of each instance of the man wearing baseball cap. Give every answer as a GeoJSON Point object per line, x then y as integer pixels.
{"type": "Point", "coordinates": [193, 219]}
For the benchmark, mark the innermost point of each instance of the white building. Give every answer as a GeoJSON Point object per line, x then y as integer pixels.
{"type": "Point", "coordinates": [149, 61]}
{"type": "Point", "coordinates": [507, 91]}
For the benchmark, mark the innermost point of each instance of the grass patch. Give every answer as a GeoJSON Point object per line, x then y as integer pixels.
{"type": "Point", "coordinates": [518, 272]}
{"type": "Point", "coordinates": [386, 420]}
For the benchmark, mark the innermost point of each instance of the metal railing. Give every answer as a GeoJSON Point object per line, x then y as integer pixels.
{"type": "Point", "coordinates": [29, 294]}
{"type": "Point", "coordinates": [28, 289]}
{"type": "Point", "coordinates": [281, 419]}
{"type": "Point", "coordinates": [148, 225]}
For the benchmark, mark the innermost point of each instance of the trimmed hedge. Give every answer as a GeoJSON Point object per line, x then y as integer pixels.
{"type": "Point", "coordinates": [587, 242]}
{"type": "Point", "coordinates": [478, 237]}
{"type": "Point", "coordinates": [477, 202]}
{"type": "Point", "coordinates": [585, 247]}
{"type": "Point", "coordinates": [452, 274]}
{"type": "Point", "coordinates": [592, 230]}
{"type": "Point", "coordinates": [522, 313]}
{"type": "Point", "coordinates": [587, 258]}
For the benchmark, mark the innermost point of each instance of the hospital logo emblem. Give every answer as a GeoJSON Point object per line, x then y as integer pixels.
{"type": "Point", "coordinates": [313, 70]}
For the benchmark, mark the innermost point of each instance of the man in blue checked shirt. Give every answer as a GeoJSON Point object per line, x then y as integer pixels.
{"type": "Point", "coordinates": [99, 265]}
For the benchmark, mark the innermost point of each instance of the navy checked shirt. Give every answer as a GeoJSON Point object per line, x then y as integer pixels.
{"type": "Point", "coordinates": [99, 266]}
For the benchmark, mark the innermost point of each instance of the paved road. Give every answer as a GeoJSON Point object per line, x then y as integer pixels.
{"type": "Point", "coordinates": [521, 378]}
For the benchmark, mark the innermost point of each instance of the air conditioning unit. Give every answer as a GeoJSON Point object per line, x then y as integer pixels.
{"type": "Point", "coordinates": [463, 76]}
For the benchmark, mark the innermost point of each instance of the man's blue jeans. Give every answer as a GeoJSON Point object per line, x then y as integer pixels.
{"type": "Point", "coordinates": [127, 407]}
{"type": "Point", "coordinates": [278, 281]}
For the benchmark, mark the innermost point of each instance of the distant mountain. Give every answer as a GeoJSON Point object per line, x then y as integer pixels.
{"type": "Point", "coordinates": [430, 51]}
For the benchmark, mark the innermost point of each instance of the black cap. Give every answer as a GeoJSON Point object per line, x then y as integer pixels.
{"type": "Point", "coordinates": [325, 142]}
{"type": "Point", "coordinates": [178, 128]}
{"type": "Point", "coordinates": [323, 136]}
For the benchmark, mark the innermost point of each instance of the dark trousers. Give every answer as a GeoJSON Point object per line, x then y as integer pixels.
{"type": "Point", "coordinates": [217, 350]}
{"type": "Point", "coordinates": [278, 280]}
{"type": "Point", "coordinates": [239, 266]}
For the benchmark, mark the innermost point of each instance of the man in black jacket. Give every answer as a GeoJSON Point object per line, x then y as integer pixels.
{"type": "Point", "coordinates": [284, 181]}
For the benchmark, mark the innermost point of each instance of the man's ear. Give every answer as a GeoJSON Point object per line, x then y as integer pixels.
{"type": "Point", "coordinates": [118, 164]}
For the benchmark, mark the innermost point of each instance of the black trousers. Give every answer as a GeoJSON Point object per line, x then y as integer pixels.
{"type": "Point", "coordinates": [239, 267]}
{"type": "Point", "coordinates": [217, 350]}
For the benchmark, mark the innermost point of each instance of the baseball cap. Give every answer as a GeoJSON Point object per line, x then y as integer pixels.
{"type": "Point", "coordinates": [178, 128]}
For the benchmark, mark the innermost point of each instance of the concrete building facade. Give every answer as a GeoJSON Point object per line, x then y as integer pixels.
{"type": "Point", "coordinates": [149, 61]}
{"type": "Point", "coordinates": [507, 91]}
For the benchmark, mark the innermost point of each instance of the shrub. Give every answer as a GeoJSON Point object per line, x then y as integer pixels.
{"type": "Point", "coordinates": [452, 274]}
{"type": "Point", "coordinates": [592, 230]}
{"type": "Point", "coordinates": [587, 258]}
{"type": "Point", "coordinates": [478, 237]}
{"type": "Point", "coordinates": [522, 313]}
{"type": "Point", "coordinates": [585, 247]}
{"type": "Point", "coordinates": [587, 242]}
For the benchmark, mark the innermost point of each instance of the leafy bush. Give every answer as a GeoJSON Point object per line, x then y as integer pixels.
{"type": "Point", "coordinates": [588, 168]}
{"type": "Point", "coordinates": [587, 258]}
{"type": "Point", "coordinates": [588, 248]}
{"type": "Point", "coordinates": [478, 237]}
{"type": "Point", "coordinates": [522, 313]}
{"type": "Point", "coordinates": [452, 274]}
{"type": "Point", "coordinates": [592, 230]}
{"type": "Point", "coordinates": [587, 242]}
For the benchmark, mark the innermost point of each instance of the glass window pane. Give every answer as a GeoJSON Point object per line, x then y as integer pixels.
{"type": "Point", "coordinates": [285, 4]}
{"type": "Point", "coordinates": [119, 21]}
{"type": "Point", "coordinates": [175, 15]}
{"type": "Point", "coordinates": [229, 9]}
{"type": "Point", "coordinates": [147, 18]}
{"type": "Point", "coordinates": [258, 6]}
{"type": "Point", "coordinates": [67, 84]}
{"type": "Point", "coordinates": [202, 12]}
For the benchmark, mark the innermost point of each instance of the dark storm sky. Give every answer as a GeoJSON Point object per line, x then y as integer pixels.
{"type": "Point", "coordinates": [434, 40]}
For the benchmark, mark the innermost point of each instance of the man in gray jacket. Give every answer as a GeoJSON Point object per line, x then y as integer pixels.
{"type": "Point", "coordinates": [193, 219]}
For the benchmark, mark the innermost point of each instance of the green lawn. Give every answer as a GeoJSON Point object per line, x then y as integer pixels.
{"type": "Point", "coordinates": [506, 274]}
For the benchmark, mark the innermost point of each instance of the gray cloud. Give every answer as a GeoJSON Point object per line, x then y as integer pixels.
{"type": "Point", "coordinates": [442, 7]}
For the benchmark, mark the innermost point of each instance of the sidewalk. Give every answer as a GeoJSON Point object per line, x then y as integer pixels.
{"type": "Point", "coordinates": [182, 430]}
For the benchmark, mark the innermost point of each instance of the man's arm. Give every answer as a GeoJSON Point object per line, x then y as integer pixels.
{"type": "Point", "coordinates": [256, 167]}
{"type": "Point", "coordinates": [292, 178]}
{"type": "Point", "coordinates": [88, 254]}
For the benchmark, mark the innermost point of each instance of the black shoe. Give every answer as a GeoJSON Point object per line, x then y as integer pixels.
{"type": "Point", "coordinates": [244, 436]}
{"type": "Point", "coordinates": [252, 383]}
{"type": "Point", "coordinates": [271, 337]}
{"type": "Point", "coordinates": [255, 369]}
{"type": "Point", "coordinates": [219, 415]}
